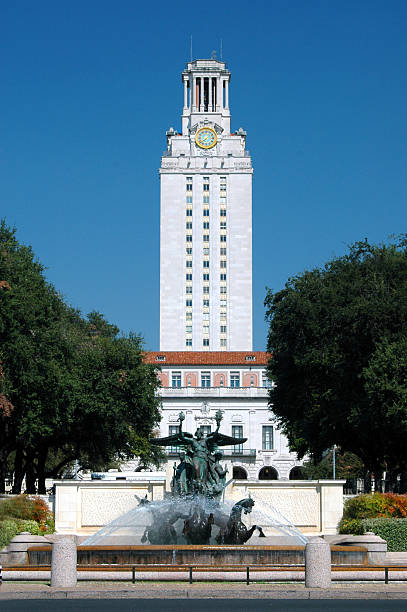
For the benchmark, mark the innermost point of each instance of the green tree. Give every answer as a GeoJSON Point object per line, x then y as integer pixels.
{"type": "Point", "coordinates": [70, 387]}
{"type": "Point", "coordinates": [347, 466]}
{"type": "Point", "coordinates": [338, 341]}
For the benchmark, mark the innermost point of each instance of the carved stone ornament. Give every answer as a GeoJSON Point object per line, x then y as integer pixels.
{"type": "Point", "coordinates": [205, 408]}
{"type": "Point", "coordinates": [218, 129]}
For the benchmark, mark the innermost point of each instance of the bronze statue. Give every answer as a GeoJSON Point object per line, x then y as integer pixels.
{"type": "Point", "coordinates": [207, 477]}
{"type": "Point", "coordinates": [197, 484]}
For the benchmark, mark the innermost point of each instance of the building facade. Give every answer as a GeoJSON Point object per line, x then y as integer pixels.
{"type": "Point", "coordinates": [206, 358]}
{"type": "Point", "coordinates": [235, 382]}
{"type": "Point", "coordinates": [206, 222]}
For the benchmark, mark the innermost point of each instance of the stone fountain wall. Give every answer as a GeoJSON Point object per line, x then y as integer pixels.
{"type": "Point", "coordinates": [83, 507]}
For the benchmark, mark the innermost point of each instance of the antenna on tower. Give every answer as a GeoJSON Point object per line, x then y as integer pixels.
{"type": "Point", "coordinates": [191, 47]}
{"type": "Point", "coordinates": [221, 49]}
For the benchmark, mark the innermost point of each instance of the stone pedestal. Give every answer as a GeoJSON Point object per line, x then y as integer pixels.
{"type": "Point", "coordinates": [17, 548]}
{"type": "Point", "coordinates": [63, 561]}
{"type": "Point", "coordinates": [317, 564]}
{"type": "Point", "coordinates": [375, 545]}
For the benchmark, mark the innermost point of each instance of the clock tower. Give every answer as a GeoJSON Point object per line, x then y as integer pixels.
{"type": "Point", "coordinates": [206, 222]}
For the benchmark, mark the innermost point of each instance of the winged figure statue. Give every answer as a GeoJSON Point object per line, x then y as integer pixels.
{"type": "Point", "coordinates": [200, 452]}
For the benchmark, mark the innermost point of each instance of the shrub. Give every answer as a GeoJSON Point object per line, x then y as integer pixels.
{"type": "Point", "coordinates": [351, 526]}
{"type": "Point", "coordinates": [25, 507]}
{"type": "Point", "coordinates": [394, 531]}
{"type": "Point", "coordinates": [376, 506]}
{"type": "Point", "coordinates": [8, 529]}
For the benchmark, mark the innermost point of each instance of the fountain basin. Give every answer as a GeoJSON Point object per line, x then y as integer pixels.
{"type": "Point", "coordinates": [184, 554]}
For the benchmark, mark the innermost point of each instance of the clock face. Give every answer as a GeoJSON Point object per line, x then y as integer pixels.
{"type": "Point", "coordinates": [206, 138]}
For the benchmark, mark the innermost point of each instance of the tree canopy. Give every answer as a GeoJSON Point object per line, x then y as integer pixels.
{"type": "Point", "coordinates": [338, 338]}
{"type": "Point", "coordinates": [71, 387]}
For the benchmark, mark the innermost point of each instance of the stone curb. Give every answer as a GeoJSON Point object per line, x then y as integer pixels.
{"type": "Point", "coordinates": [203, 591]}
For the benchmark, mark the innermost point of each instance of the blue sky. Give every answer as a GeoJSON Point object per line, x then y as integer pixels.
{"type": "Point", "coordinates": [89, 89]}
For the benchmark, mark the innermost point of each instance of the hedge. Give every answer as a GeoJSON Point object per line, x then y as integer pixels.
{"type": "Point", "coordinates": [11, 527]}
{"type": "Point", "coordinates": [393, 530]}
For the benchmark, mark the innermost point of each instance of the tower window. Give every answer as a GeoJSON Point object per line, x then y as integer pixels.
{"type": "Point", "coordinates": [206, 199]}
{"type": "Point", "coordinates": [205, 342]}
{"type": "Point", "coordinates": [189, 237]}
{"type": "Point", "coordinates": [223, 225]}
{"type": "Point", "coordinates": [206, 290]}
{"type": "Point", "coordinates": [188, 263]}
{"type": "Point", "coordinates": [206, 237]}
{"type": "Point", "coordinates": [189, 212]}
{"type": "Point", "coordinates": [222, 212]}
{"type": "Point", "coordinates": [222, 263]}
{"type": "Point", "coordinates": [188, 224]}
{"type": "Point", "coordinates": [188, 277]}
{"type": "Point", "coordinates": [188, 303]}
{"type": "Point", "coordinates": [205, 263]}
{"type": "Point", "coordinates": [222, 238]}
{"type": "Point", "coordinates": [205, 277]}
{"type": "Point", "coordinates": [188, 342]}
{"type": "Point", "coordinates": [206, 212]}
{"type": "Point", "coordinates": [222, 277]}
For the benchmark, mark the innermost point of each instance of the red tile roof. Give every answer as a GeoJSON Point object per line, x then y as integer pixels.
{"type": "Point", "coordinates": [207, 357]}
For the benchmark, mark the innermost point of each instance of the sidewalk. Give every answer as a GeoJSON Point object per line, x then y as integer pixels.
{"type": "Point", "coordinates": [96, 590]}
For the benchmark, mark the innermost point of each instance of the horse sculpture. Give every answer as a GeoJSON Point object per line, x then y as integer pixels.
{"type": "Point", "coordinates": [198, 527]}
{"type": "Point", "coordinates": [235, 531]}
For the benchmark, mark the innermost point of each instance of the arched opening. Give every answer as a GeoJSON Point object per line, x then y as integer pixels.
{"type": "Point", "coordinates": [297, 473]}
{"type": "Point", "coordinates": [268, 473]}
{"type": "Point", "coordinates": [239, 473]}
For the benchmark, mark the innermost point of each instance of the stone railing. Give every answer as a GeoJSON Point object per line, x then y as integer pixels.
{"type": "Point", "coordinates": [214, 392]}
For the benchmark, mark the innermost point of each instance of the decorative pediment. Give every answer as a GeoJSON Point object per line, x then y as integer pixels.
{"type": "Point", "coordinates": [218, 129]}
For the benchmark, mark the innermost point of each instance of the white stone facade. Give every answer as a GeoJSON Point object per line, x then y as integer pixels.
{"type": "Point", "coordinates": [199, 384]}
{"type": "Point", "coordinates": [206, 223]}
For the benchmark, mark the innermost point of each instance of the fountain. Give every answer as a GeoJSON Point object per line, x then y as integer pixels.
{"type": "Point", "coordinates": [193, 513]}
{"type": "Point", "coordinates": [192, 525]}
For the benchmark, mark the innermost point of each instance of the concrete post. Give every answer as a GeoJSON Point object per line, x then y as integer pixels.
{"type": "Point", "coordinates": [63, 561]}
{"type": "Point", "coordinates": [317, 564]}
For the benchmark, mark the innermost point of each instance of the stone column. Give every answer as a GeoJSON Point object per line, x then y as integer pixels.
{"type": "Point", "coordinates": [226, 94]}
{"type": "Point", "coordinates": [185, 93]}
{"type": "Point", "coordinates": [317, 564]}
{"type": "Point", "coordinates": [63, 561]}
{"type": "Point", "coordinates": [219, 94]}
